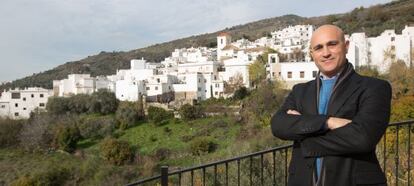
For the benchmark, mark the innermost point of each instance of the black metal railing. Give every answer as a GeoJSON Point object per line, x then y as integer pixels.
{"type": "Point", "coordinates": [270, 167]}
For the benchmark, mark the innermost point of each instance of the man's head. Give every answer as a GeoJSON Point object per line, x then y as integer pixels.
{"type": "Point", "coordinates": [328, 49]}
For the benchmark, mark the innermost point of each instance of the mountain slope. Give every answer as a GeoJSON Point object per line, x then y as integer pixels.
{"type": "Point", "coordinates": [373, 20]}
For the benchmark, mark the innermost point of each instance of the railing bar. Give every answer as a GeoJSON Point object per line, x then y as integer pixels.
{"type": "Point", "coordinates": [251, 171]}
{"type": "Point", "coordinates": [232, 159]}
{"type": "Point", "coordinates": [261, 172]}
{"type": "Point", "coordinates": [204, 176]}
{"type": "Point", "coordinates": [215, 174]}
{"type": "Point", "coordinates": [409, 155]}
{"type": "Point", "coordinates": [238, 172]}
{"type": "Point", "coordinates": [179, 179]}
{"type": "Point", "coordinates": [396, 156]}
{"type": "Point", "coordinates": [227, 174]}
{"type": "Point", "coordinates": [274, 167]}
{"type": "Point", "coordinates": [286, 166]}
{"type": "Point", "coordinates": [192, 177]}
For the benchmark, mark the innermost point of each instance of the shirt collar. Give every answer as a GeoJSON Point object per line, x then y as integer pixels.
{"type": "Point", "coordinates": [324, 77]}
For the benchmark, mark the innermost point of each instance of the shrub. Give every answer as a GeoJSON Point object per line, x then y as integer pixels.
{"type": "Point", "coordinates": [97, 127]}
{"type": "Point", "coordinates": [103, 102]}
{"type": "Point", "coordinates": [67, 137]}
{"type": "Point", "coordinates": [162, 153]}
{"type": "Point", "coordinates": [9, 132]}
{"type": "Point", "coordinates": [158, 115]}
{"type": "Point", "coordinates": [57, 105]}
{"type": "Point", "coordinates": [52, 176]}
{"type": "Point", "coordinates": [37, 133]}
{"type": "Point", "coordinates": [79, 103]}
{"type": "Point", "coordinates": [115, 151]}
{"type": "Point", "coordinates": [240, 93]}
{"type": "Point", "coordinates": [127, 115]}
{"type": "Point", "coordinates": [190, 112]}
{"type": "Point", "coordinates": [202, 145]}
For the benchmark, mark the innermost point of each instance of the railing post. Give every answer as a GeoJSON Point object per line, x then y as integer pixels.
{"type": "Point", "coordinates": [164, 176]}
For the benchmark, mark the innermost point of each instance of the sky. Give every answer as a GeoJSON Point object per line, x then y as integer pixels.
{"type": "Point", "coordinates": [39, 35]}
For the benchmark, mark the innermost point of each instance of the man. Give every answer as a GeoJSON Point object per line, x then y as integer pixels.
{"type": "Point", "coordinates": [335, 120]}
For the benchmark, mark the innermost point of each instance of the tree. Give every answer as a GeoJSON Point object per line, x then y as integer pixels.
{"type": "Point", "coordinates": [257, 70]}
{"type": "Point", "coordinates": [158, 115]}
{"type": "Point", "coordinates": [104, 102]}
{"type": "Point", "coordinates": [67, 137]}
{"type": "Point", "coordinates": [399, 77]}
{"type": "Point", "coordinates": [190, 112]}
{"type": "Point", "coordinates": [116, 151]}
{"type": "Point", "coordinates": [57, 105]}
{"type": "Point", "coordinates": [127, 115]}
{"type": "Point", "coordinates": [233, 84]}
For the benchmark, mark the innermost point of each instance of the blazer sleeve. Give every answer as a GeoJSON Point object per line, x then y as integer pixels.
{"type": "Point", "coordinates": [363, 133]}
{"type": "Point", "coordinates": [295, 127]}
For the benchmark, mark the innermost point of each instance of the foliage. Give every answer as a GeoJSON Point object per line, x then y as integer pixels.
{"type": "Point", "coordinates": [202, 145]}
{"type": "Point", "coordinates": [368, 71]}
{"type": "Point", "coordinates": [240, 93]}
{"type": "Point", "coordinates": [9, 132]}
{"type": "Point", "coordinates": [37, 133]}
{"type": "Point", "coordinates": [190, 112]}
{"type": "Point", "coordinates": [401, 78]}
{"type": "Point", "coordinates": [57, 105]}
{"type": "Point", "coordinates": [128, 115]}
{"type": "Point", "coordinates": [52, 176]}
{"type": "Point", "coordinates": [78, 103]}
{"type": "Point", "coordinates": [66, 137]}
{"type": "Point", "coordinates": [97, 127]}
{"type": "Point", "coordinates": [158, 115]}
{"type": "Point", "coordinates": [233, 84]}
{"type": "Point", "coordinates": [402, 108]}
{"type": "Point", "coordinates": [103, 102]}
{"type": "Point", "coordinates": [116, 151]}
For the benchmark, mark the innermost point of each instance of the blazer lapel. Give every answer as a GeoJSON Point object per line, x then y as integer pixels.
{"type": "Point", "coordinates": [310, 99]}
{"type": "Point", "coordinates": [342, 93]}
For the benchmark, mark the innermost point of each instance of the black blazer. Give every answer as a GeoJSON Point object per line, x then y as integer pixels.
{"type": "Point", "coordinates": [348, 152]}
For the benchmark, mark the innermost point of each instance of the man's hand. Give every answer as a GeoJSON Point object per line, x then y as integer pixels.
{"type": "Point", "coordinates": [293, 112]}
{"type": "Point", "coordinates": [334, 123]}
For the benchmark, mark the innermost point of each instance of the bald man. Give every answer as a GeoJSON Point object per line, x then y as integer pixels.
{"type": "Point", "coordinates": [335, 120]}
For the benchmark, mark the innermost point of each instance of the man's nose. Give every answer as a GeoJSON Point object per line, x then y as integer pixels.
{"type": "Point", "coordinates": [326, 52]}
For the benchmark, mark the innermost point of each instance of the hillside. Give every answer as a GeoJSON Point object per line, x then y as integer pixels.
{"type": "Point", "coordinates": [372, 20]}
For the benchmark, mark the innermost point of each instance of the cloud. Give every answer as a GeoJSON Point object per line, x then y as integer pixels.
{"type": "Point", "coordinates": [39, 35]}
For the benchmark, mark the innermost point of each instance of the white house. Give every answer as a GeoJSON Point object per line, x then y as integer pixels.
{"type": "Point", "coordinates": [19, 103]}
{"type": "Point", "coordinates": [74, 84]}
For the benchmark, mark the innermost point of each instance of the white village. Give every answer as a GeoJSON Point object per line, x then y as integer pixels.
{"type": "Point", "coordinates": [196, 74]}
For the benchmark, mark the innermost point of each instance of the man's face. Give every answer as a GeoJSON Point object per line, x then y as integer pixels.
{"type": "Point", "coordinates": [328, 49]}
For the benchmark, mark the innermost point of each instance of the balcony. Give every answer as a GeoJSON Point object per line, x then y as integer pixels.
{"type": "Point", "coordinates": [269, 167]}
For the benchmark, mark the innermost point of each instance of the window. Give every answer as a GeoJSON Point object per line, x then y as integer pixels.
{"type": "Point", "coordinates": [158, 80]}
{"type": "Point", "coordinates": [32, 95]}
{"type": "Point", "coordinates": [41, 95]}
{"type": "Point", "coordinates": [314, 73]}
{"type": "Point", "coordinates": [392, 38]}
{"type": "Point", "coordinates": [148, 88]}
{"type": "Point", "coordinates": [3, 106]}
{"type": "Point", "coordinates": [392, 47]}
{"type": "Point", "coordinates": [169, 87]}
{"type": "Point", "coordinates": [215, 77]}
{"type": "Point", "coordinates": [216, 93]}
{"type": "Point", "coordinates": [156, 87]}
{"type": "Point", "coordinates": [16, 105]}
{"type": "Point", "coordinates": [16, 114]}
{"type": "Point", "coordinates": [302, 74]}
{"type": "Point", "coordinates": [280, 74]}
{"type": "Point", "coordinates": [205, 80]}
{"type": "Point", "coordinates": [24, 99]}
{"type": "Point", "coordinates": [199, 80]}
{"type": "Point", "coordinates": [289, 74]}
{"type": "Point", "coordinates": [199, 88]}
{"type": "Point", "coordinates": [15, 95]}
{"type": "Point", "coordinates": [217, 85]}
{"type": "Point", "coordinates": [221, 41]}
{"type": "Point", "coordinates": [273, 60]}
{"type": "Point", "coordinates": [24, 108]}
{"type": "Point", "coordinates": [41, 104]}
{"type": "Point", "coordinates": [273, 74]}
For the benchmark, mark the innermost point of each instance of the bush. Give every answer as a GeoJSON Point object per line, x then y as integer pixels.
{"type": "Point", "coordinates": [190, 112]}
{"type": "Point", "coordinates": [127, 115]}
{"type": "Point", "coordinates": [115, 151]}
{"type": "Point", "coordinates": [52, 176]}
{"type": "Point", "coordinates": [240, 93]}
{"type": "Point", "coordinates": [67, 137]}
{"type": "Point", "coordinates": [79, 103]}
{"type": "Point", "coordinates": [158, 115]}
{"type": "Point", "coordinates": [57, 105]}
{"type": "Point", "coordinates": [202, 145]}
{"type": "Point", "coordinates": [103, 102]}
{"type": "Point", "coordinates": [37, 133]}
{"type": "Point", "coordinates": [9, 132]}
{"type": "Point", "coordinates": [97, 127]}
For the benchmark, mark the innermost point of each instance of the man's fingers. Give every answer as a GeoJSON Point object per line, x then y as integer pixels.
{"type": "Point", "coordinates": [293, 112]}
